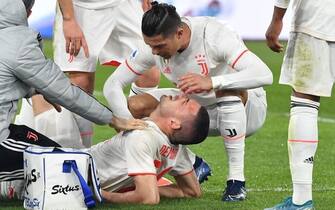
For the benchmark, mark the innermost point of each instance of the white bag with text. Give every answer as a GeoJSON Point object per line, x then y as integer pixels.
{"type": "Point", "coordinates": [59, 179]}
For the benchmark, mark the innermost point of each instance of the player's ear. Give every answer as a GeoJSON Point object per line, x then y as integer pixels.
{"type": "Point", "coordinates": [175, 124]}
{"type": "Point", "coordinates": [179, 32]}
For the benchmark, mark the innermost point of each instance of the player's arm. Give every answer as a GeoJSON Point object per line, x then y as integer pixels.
{"type": "Point", "coordinates": [74, 37]}
{"type": "Point", "coordinates": [186, 185]}
{"type": "Point", "coordinates": [276, 25]}
{"type": "Point", "coordinates": [36, 71]}
{"type": "Point", "coordinates": [225, 46]}
{"type": "Point", "coordinates": [146, 192]}
{"type": "Point", "coordinates": [124, 75]}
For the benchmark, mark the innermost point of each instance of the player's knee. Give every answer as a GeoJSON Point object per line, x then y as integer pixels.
{"type": "Point", "coordinates": [137, 107]}
{"type": "Point", "coordinates": [85, 80]}
{"type": "Point", "coordinates": [141, 105]}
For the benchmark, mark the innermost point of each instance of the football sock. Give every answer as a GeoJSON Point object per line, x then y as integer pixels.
{"type": "Point", "coordinates": [85, 129]}
{"type": "Point", "coordinates": [302, 145]}
{"type": "Point", "coordinates": [232, 124]}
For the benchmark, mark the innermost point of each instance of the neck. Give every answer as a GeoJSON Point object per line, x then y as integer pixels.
{"type": "Point", "coordinates": [161, 123]}
{"type": "Point", "coordinates": [186, 37]}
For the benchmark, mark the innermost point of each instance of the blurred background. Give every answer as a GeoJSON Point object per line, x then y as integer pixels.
{"type": "Point", "coordinates": [248, 18]}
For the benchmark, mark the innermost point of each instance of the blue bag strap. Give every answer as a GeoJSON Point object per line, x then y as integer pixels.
{"type": "Point", "coordinates": [88, 195]}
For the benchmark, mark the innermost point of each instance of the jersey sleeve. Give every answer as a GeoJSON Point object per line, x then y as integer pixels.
{"type": "Point", "coordinates": [224, 44]}
{"type": "Point", "coordinates": [282, 3]}
{"type": "Point", "coordinates": [139, 61]}
{"type": "Point", "coordinates": [183, 163]}
{"type": "Point", "coordinates": [140, 155]}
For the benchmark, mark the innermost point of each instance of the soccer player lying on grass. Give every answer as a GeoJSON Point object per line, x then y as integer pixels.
{"type": "Point", "coordinates": [207, 60]}
{"type": "Point", "coordinates": [130, 163]}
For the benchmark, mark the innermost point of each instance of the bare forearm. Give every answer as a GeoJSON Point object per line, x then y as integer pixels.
{"type": "Point", "coordinates": [127, 197]}
{"type": "Point", "coordinates": [171, 191]}
{"type": "Point", "coordinates": [278, 14]}
{"type": "Point", "coordinates": [66, 7]}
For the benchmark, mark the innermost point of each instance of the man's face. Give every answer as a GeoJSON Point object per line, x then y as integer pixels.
{"type": "Point", "coordinates": [179, 106]}
{"type": "Point", "coordinates": [165, 47]}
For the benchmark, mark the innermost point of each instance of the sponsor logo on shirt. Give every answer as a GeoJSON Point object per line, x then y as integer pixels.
{"type": "Point", "coordinates": [168, 152]}
{"type": "Point", "coordinates": [201, 61]}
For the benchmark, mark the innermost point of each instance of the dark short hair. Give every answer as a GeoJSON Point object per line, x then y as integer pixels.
{"type": "Point", "coordinates": [194, 130]}
{"type": "Point", "coordinates": [28, 4]}
{"type": "Point", "coordinates": [160, 19]}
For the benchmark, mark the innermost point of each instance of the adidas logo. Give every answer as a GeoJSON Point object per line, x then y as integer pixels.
{"type": "Point", "coordinates": [309, 160]}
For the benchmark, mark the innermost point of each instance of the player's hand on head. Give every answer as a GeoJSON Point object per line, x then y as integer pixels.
{"type": "Point", "coordinates": [74, 38]}
{"type": "Point", "coordinates": [194, 83]}
{"type": "Point", "coordinates": [121, 124]}
{"type": "Point", "coordinates": [272, 35]}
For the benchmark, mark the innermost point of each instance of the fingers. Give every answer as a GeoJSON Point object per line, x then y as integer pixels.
{"type": "Point", "coordinates": [73, 46]}
{"type": "Point", "coordinates": [273, 42]}
{"type": "Point", "coordinates": [85, 47]}
{"type": "Point", "coordinates": [275, 46]}
{"type": "Point", "coordinates": [67, 45]}
{"type": "Point", "coordinates": [138, 124]}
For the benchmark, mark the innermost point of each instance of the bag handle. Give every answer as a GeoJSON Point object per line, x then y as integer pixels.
{"type": "Point", "coordinates": [88, 195]}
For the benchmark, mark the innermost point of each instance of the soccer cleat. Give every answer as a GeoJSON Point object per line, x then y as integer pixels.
{"type": "Point", "coordinates": [201, 169]}
{"type": "Point", "coordinates": [287, 204]}
{"type": "Point", "coordinates": [235, 191]}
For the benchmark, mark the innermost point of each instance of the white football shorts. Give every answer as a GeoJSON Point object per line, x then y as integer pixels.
{"type": "Point", "coordinates": [309, 65]}
{"type": "Point", "coordinates": [111, 34]}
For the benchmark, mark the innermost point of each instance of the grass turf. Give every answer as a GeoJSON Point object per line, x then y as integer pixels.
{"type": "Point", "coordinates": [266, 159]}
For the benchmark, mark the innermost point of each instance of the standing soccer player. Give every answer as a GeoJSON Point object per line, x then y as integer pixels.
{"type": "Point", "coordinates": [112, 31]}
{"type": "Point", "coordinates": [209, 61]}
{"type": "Point", "coordinates": [309, 68]}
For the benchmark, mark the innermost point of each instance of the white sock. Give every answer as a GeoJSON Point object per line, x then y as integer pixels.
{"type": "Point", "coordinates": [232, 124]}
{"type": "Point", "coordinates": [86, 130]}
{"type": "Point", "coordinates": [60, 127]}
{"type": "Point", "coordinates": [134, 89]}
{"type": "Point", "coordinates": [26, 115]}
{"type": "Point", "coordinates": [302, 145]}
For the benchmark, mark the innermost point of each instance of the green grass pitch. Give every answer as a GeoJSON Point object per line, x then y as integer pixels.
{"type": "Point", "coordinates": [266, 159]}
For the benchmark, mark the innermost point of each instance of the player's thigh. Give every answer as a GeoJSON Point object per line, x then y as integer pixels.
{"type": "Point", "coordinates": [127, 35]}
{"type": "Point", "coordinates": [307, 65]}
{"type": "Point", "coordinates": [97, 25]}
{"type": "Point", "coordinates": [256, 108]}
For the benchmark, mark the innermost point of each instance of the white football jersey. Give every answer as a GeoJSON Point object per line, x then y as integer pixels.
{"type": "Point", "coordinates": [316, 18]}
{"type": "Point", "coordinates": [138, 152]}
{"type": "Point", "coordinates": [97, 4]}
{"type": "Point", "coordinates": [213, 49]}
